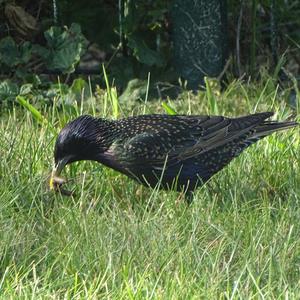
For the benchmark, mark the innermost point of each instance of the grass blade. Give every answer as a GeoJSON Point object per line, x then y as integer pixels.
{"type": "Point", "coordinates": [112, 95]}
{"type": "Point", "coordinates": [169, 110]}
{"type": "Point", "coordinates": [35, 113]}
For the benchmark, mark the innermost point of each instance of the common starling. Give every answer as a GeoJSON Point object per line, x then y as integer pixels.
{"type": "Point", "coordinates": [177, 152]}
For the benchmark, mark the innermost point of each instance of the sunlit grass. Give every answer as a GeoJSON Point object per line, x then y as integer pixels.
{"type": "Point", "coordinates": [115, 239]}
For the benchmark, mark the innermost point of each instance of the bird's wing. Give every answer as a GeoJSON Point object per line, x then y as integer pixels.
{"type": "Point", "coordinates": [240, 130]}
{"type": "Point", "coordinates": [177, 138]}
{"type": "Point", "coordinates": [172, 139]}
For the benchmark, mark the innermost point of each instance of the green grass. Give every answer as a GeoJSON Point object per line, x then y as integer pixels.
{"type": "Point", "coordinates": [116, 240]}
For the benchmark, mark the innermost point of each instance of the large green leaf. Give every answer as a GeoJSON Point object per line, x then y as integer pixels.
{"type": "Point", "coordinates": [64, 48]}
{"type": "Point", "coordinates": [8, 90]}
{"type": "Point", "coordinates": [11, 54]}
{"type": "Point", "coordinates": [136, 90]}
{"type": "Point", "coordinates": [143, 53]}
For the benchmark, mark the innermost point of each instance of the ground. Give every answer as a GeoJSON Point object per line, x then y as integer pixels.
{"type": "Point", "coordinates": [117, 240]}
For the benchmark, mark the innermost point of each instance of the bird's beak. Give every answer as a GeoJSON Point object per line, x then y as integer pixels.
{"type": "Point", "coordinates": [55, 180]}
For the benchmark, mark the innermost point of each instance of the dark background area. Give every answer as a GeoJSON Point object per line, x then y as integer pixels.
{"type": "Point", "coordinates": [136, 38]}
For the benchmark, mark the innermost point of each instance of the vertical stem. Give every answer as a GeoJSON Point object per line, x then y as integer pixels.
{"type": "Point", "coordinates": [238, 36]}
{"type": "Point", "coordinates": [54, 5]}
{"type": "Point", "coordinates": [121, 27]}
{"type": "Point", "coordinates": [274, 33]}
{"type": "Point", "coordinates": [253, 37]}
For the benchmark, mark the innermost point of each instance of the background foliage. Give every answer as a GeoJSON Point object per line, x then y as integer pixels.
{"type": "Point", "coordinates": [43, 39]}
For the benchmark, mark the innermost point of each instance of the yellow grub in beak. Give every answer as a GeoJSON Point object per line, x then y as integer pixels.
{"type": "Point", "coordinates": [51, 183]}
{"type": "Point", "coordinates": [56, 182]}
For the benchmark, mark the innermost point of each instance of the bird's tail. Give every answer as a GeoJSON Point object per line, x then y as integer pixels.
{"type": "Point", "coordinates": [268, 127]}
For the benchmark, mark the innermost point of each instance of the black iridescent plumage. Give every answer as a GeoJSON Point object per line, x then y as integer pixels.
{"type": "Point", "coordinates": [178, 151]}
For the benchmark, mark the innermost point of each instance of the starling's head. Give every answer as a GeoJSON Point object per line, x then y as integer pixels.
{"type": "Point", "coordinates": [81, 139]}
